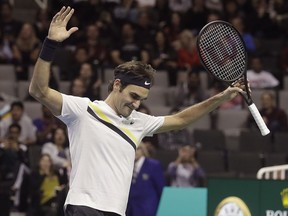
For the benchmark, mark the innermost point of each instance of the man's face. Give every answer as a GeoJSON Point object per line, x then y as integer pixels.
{"type": "Point", "coordinates": [16, 113]}
{"type": "Point", "coordinates": [256, 65]}
{"type": "Point", "coordinates": [129, 98]}
{"type": "Point", "coordinates": [14, 133]}
{"type": "Point", "coordinates": [267, 101]}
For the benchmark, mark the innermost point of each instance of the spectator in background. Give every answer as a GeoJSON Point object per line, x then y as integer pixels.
{"type": "Point", "coordinates": [108, 29]}
{"type": "Point", "coordinates": [248, 38]}
{"type": "Point", "coordinates": [180, 6]}
{"type": "Point", "coordinates": [185, 170]}
{"type": "Point", "coordinates": [188, 58]}
{"type": "Point", "coordinates": [162, 12]}
{"type": "Point", "coordinates": [175, 139]}
{"type": "Point", "coordinates": [7, 48]}
{"type": "Point", "coordinates": [58, 149]}
{"type": "Point", "coordinates": [260, 21]}
{"type": "Point", "coordinates": [279, 14]}
{"type": "Point", "coordinates": [88, 11]}
{"type": "Point", "coordinates": [8, 24]}
{"type": "Point", "coordinates": [283, 61]}
{"type": "Point", "coordinates": [214, 15]}
{"type": "Point", "coordinates": [145, 29]}
{"type": "Point", "coordinates": [126, 11]}
{"type": "Point", "coordinates": [190, 92]}
{"type": "Point", "coordinates": [195, 18]}
{"type": "Point", "coordinates": [258, 77]}
{"type": "Point", "coordinates": [44, 183]}
{"type": "Point", "coordinates": [274, 117]}
{"type": "Point", "coordinates": [231, 10]}
{"type": "Point", "coordinates": [80, 56]}
{"type": "Point", "coordinates": [147, 185]}
{"type": "Point", "coordinates": [214, 5]}
{"type": "Point", "coordinates": [164, 57]}
{"type": "Point", "coordinates": [13, 167]}
{"type": "Point", "coordinates": [42, 23]}
{"type": "Point", "coordinates": [45, 125]}
{"type": "Point", "coordinates": [77, 88]}
{"type": "Point", "coordinates": [18, 115]}
{"type": "Point", "coordinates": [128, 48]}
{"type": "Point", "coordinates": [173, 28]}
{"type": "Point", "coordinates": [93, 43]}
{"type": "Point", "coordinates": [146, 4]}
{"type": "Point", "coordinates": [28, 47]}
{"type": "Point", "coordinates": [92, 83]}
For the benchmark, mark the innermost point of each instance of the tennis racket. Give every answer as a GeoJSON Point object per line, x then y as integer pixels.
{"type": "Point", "coordinates": [223, 54]}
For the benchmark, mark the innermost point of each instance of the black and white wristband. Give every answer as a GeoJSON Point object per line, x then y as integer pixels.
{"type": "Point", "coordinates": [48, 49]}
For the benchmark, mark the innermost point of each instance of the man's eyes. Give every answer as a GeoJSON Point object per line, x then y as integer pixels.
{"type": "Point", "coordinates": [137, 97]}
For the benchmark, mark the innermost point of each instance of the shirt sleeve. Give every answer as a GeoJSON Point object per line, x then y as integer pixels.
{"type": "Point", "coordinates": [72, 108]}
{"type": "Point", "coordinates": [151, 123]}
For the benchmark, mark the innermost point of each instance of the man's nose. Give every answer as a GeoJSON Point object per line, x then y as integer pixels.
{"type": "Point", "coordinates": [136, 104]}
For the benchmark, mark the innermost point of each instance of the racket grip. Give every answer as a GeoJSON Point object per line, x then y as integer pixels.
{"type": "Point", "coordinates": [258, 119]}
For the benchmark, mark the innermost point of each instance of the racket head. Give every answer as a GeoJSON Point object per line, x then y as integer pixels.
{"type": "Point", "coordinates": [222, 51]}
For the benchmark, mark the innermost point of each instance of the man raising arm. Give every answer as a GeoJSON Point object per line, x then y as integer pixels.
{"type": "Point", "coordinates": [104, 135]}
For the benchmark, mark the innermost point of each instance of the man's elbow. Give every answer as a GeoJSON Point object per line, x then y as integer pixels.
{"type": "Point", "coordinates": [36, 92]}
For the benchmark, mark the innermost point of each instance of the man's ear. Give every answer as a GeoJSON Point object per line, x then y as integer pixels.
{"type": "Point", "coordinates": [117, 85]}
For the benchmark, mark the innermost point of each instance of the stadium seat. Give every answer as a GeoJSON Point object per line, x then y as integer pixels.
{"type": "Point", "coordinates": [165, 157]}
{"type": "Point", "coordinates": [22, 89]}
{"type": "Point", "coordinates": [157, 96]}
{"type": "Point", "coordinates": [253, 141]}
{"type": "Point", "coordinates": [161, 79]}
{"type": "Point", "coordinates": [283, 99]}
{"type": "Point", "coordinates": [245, 164]}
{"type": "Point", "coordinates": [202, 123]}
{"type": "Point", "coordinates": [285, 83]}
{"type": "Point", "coordinates": [8, 87]}
{"type": "Point", "coordinates": [231, 119]}
{"type": "Point", "coordinates": [273, 159]}
{"type": "Point", "coordinates": [281, 142]}
{"type": "Point", "coordinates": [7, 72]}
{"type": "Point", "coordinates": [33, 109]}
{"type": "Point", "coordinates": [108, 74]}
{"type": "Point", "coordinates": [214, 163]}
{"type": "Point", "coordinates": [159, 110]}
{"type": "Point", "coordinates": [104, 91]}
{"type": "Point", "coordinates": [209, 140]}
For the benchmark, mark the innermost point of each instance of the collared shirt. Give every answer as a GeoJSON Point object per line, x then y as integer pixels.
{"type": "Point", "coordinates": [102, 151]}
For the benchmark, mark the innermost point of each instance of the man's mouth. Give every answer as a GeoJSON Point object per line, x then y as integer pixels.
{"type": "Point", "coordinates": [130, 107]}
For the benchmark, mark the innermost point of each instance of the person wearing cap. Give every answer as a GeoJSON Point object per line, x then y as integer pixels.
{"type": "Point", "coordinates": [104, 134]}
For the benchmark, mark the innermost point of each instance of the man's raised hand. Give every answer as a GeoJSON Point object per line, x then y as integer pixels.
{"type": "Point", "coordinates": [58, 25]}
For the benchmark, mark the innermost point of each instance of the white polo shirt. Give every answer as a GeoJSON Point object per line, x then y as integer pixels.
{"type": "Point", "coordinates": [102, 148]}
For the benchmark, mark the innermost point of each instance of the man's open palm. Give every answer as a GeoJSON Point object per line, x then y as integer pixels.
{"type": "Point", "coordinates": [57, 30]}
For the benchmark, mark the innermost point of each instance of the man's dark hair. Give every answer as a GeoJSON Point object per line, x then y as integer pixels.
{"type": "Point", "coordinates": [135, 68]}
{"type": "Point", "coordinates": [17, 104]}
{"type": "Point", "coordinates": [15, 125]}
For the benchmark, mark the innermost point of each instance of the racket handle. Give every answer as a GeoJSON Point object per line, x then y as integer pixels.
{"type": "Point", "coordinates": [258, 119]}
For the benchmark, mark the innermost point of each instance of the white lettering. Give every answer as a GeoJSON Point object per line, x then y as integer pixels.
{"type": "Point", "coordinates": [276, 213]}
{"type": "Point", "coordinates": [269, 213]}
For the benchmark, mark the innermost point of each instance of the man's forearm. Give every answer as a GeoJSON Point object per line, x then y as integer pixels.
{"type": "Point", "coordinates": [40, 79]}
{"type": "Point", "coordinates": [193, 113]}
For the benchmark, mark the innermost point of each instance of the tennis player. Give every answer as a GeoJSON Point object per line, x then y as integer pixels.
{"type": "Point", "coordinates": [104, 135]}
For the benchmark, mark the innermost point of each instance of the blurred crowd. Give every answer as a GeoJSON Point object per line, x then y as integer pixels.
{"type": "Point", "coordinates": [159, 32]}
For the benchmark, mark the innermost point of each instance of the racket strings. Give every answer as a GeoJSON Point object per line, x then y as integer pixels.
{"type": "Point", "coordinates": [223, 52]}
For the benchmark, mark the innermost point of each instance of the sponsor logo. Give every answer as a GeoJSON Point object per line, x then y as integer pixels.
{"type": "Point", "coordinates": [147, 83]}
